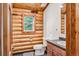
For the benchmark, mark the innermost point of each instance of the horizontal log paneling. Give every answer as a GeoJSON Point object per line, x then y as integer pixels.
{"type": "Point", "coordinates": [14, 17]}
{"type": "Point", "coordinates": [15, 24]}
{"type": "Point", "coordinates": [23, 47]}
{"type": "Point", "coordinates": [27, 40]}
{"type": "Point", "coordinates": [24, 34]}
{"type": "Point", "coordinates": [24, 37]}
{"type": "Point", "coordinates": [41, 13]}
{"type": "Point", "coordinates": [19, 36]}
{"type": "Point", "coordinates": [16, 13]}
{"type": "Point", "coordinates": [17, 20]}
{"type": "Point", "coordinates": [17, 32]}
{"type": "Point", "coordinates": [39, 31]}
{"type": "Point", "coordinates": [24, 41]}
{"type": "Point", "coordinates": [18, 51]}
{"type": "Point", "coordinates": [27, 43]}
{"type": "Point", "coordinates": [19, 24]}
{"type": "Point", "coordinates": [20, 32]}
{"type": "Point", "coordinates": [21, 40]}
{"type": "Point", "coordinates": [37, 42]}
{"type": "Point", "coordinates": [21, 44]}
{"type": "Point", "coordinates": [20, 14]}
{"type": "Point", "coordinates": [30, 14]}
{"type": "Point", "coordinates": [39, 21]}
{"type": "Point", "coordinates": [33, 42]}
{"type": "Point", "coordinates": [18, 28]}
{"type": "Point", "coordinates": [23, 10]}
{"type": "Point", "coordinates": [39, 16]}
{"type": "Point", "coordinates": [38, 25]}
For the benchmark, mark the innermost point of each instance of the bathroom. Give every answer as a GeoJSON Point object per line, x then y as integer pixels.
{"type": "Point", "coordinates": [35, 31]}
{"type": "Point", "coordinates": [49, 29]}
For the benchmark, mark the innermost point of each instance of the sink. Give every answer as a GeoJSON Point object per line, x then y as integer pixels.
{"type": "Point", "coordinates": [59, 43]}
{"type": "Point", "coordinates": [63, 43]}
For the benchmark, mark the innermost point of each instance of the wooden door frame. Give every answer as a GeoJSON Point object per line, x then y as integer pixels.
{"type": "Point", "coordinates": [72, 29]}
{"type": "Point", "coordinates": [6, 30]}
{"type": "Point", "coordinates": [68, 29]}
{"type": "Point", "coordinates": [0, 29]}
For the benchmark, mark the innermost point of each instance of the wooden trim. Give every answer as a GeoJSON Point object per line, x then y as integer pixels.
{"type": "Point", "coordinates": [68, 29]}
{"type": "Point", "coordinates": [45, 6]}
{"type": "Point", "coordinates": [10, 10]}
{"type": "Point", "coordinates": [73, 29]}
{"type": "Point", "coordinates": [0, 29]}
{"type": "Point", "coordinates": [72, 36]}
{"type": "Point", "coordinates": [5, 29]}
{"type": "Point", "coordinates": [77, 29]}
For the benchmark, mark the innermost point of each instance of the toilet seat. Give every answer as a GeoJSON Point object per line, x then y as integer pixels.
{"type": "Point", "coordinates": [39, 49]}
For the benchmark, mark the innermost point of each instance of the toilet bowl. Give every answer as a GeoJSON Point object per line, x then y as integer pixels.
{"type": "Point", "coordinates": [39, 49]}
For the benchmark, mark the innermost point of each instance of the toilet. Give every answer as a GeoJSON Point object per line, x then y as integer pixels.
{"type": "Point", "coordinates": [39, 49]}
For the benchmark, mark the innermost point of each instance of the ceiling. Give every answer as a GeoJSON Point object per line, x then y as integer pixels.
{"type": "Point", "coordinates": [30, 6]}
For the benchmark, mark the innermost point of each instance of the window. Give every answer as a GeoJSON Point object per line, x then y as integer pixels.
{"type": "Point", "coordinates": [28, 23]}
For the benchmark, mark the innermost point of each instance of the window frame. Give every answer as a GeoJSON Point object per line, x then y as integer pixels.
{"type": "Point", "coordinates": [26, 31]}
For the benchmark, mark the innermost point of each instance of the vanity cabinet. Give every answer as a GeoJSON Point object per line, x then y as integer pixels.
{"type": "Point", "coordinates": [53, 50]}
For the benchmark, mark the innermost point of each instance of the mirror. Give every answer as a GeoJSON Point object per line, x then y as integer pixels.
{"type": "Point", "coordinates": [63, 19]}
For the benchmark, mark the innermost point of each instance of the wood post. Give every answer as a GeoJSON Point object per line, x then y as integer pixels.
{"type": "Point", "coordinates": [72, 29]}
{"type": "Point", "coordinates": [68, 29]}
{"type": "Point", "coordinates": [6, 30]}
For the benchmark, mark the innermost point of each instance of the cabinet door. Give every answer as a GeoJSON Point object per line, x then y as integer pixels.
{"type": "Point", "coordinates": [58, 51]}
{"type": "Point", "coordinates": [49, 49]}
{"type": "Point", "coordinates": [55, 51]}
{"type": "Point", "coordinates": [49, 53]}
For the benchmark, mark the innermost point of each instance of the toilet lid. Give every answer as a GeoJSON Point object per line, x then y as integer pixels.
{"type": "Point", "coordinates": [38, 46]}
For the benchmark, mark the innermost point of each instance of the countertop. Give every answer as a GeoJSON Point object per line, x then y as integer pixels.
{"type": "Point", "coordinates": [59, 43]}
